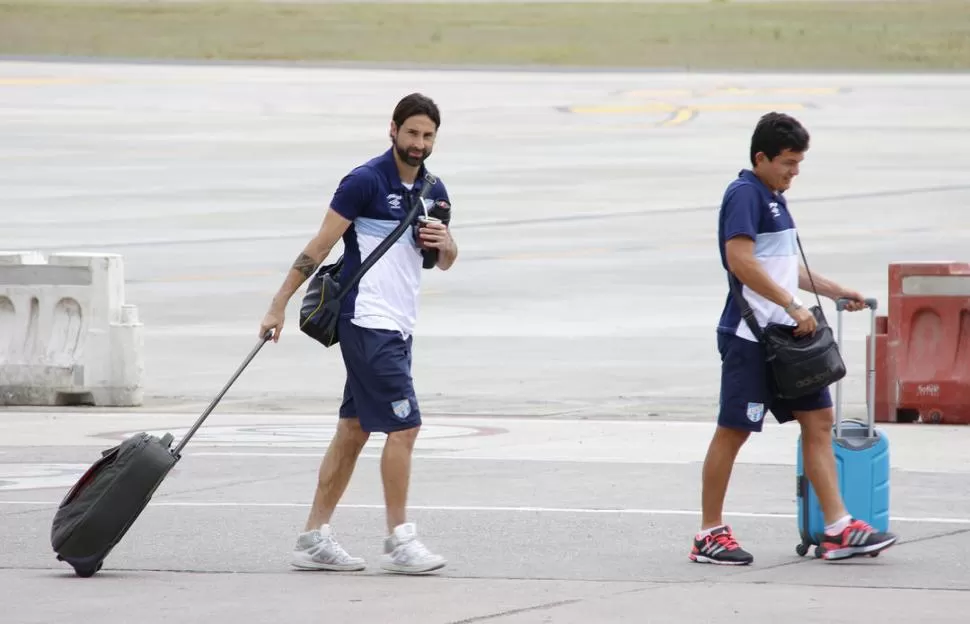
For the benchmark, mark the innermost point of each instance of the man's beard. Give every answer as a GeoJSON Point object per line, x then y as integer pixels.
{"type": "Point", "coordinates": [414, 161]}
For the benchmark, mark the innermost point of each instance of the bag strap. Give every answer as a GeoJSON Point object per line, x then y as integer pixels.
{"type": "Point", "coordinates": [416, 205]}
{"type": "Point", "coordinates": [807, 270]}
{"type": "Point", "coordinates": [748, 314]}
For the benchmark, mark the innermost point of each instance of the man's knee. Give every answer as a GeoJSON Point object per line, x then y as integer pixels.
{"type": "Point", "coordinates": [404, 437]}
{"type": "Point", "coordinates": [816, 425]}
{"type": "Point", "coordinates": [731, 437]}
{"type": "Point", "coordinates": [350, 433]}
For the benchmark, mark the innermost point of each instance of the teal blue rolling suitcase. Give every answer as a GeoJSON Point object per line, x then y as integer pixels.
{"type": "Point", "coordinates": [861, 459]}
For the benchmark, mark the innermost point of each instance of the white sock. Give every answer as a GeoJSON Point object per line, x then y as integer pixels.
{"type": "Point", "coordinates": [838, 526]}
{"type": "Point", "coordinates": [704, 533]}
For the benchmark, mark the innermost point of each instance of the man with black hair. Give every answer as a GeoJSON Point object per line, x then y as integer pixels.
{"type": "Point", "coordinates": [758, 247]}
{"type": "Point", "coordinates": [376, 323]}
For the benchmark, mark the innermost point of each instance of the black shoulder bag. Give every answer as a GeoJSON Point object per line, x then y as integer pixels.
{"type": "Point", "coordinates": [320, 309]}
{"type": "Point", "coordinates": [797, 365]}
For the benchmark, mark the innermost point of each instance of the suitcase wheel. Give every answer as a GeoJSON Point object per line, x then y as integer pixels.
{"type": "Point", "coordinates": [87, 572]}
{"type": "Point", "coordinates": [818, 552]}
{"type": "Point", "coordinates": [802, 549]}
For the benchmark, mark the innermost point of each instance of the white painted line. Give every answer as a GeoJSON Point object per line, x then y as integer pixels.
{"type": "Point", "coordinates": [484, 508]}
{"type": "Point", "coordinates": [457, 455]}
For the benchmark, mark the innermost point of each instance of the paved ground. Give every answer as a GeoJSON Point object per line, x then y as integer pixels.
{"type": "Point", "coordinates": [566, 366]}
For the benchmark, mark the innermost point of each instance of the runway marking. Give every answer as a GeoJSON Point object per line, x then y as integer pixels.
{"type": "Point", "coordinates": [648, 93]}
{"type": "Point", "coordinates": [680, 117]}
{"type": "Point", "coordinates": [683, 105]}
{"type": "Point", "coordinates": [615, 109]}
{"type": "Point", "coordinates": [465, 456]}
{"type": "Point", "coordinates": [659, 93]}
{"type": "Point", "coordinates": [306, 435]}
{"type": "Point", "coordinates": [779, 90]}
{"type": "Point", "coordinates": [662, 107]}
{"type": "Point", "coordinates": [39, 476]}
{"type": "Point", "coordinates": [617, 511]}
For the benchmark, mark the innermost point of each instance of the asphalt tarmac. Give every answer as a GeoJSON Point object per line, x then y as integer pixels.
{"type": "Point", "coordinates": [566, 366]}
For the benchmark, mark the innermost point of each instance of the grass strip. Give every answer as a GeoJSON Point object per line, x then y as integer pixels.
{"type": "Point", "coordinates": [878, 36]}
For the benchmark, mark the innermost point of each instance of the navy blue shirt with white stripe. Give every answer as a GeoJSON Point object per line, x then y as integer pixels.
{"type": "Point", "coordinates": [372, 196]}
{"type": "Point", "coordinates": [751, 209]}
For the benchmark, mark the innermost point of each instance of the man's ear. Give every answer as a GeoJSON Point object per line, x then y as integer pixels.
{"type": "Point", "coordinates": [392, 132]}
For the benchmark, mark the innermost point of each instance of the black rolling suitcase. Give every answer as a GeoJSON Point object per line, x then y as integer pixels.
{"type": "Point", "coordinates": [100, 508]}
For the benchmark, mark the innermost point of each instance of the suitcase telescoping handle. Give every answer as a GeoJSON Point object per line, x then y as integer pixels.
{"type": "Point", "coordinates": [215, 401]}
{"type": "Point", "coordinates": [873, 305]}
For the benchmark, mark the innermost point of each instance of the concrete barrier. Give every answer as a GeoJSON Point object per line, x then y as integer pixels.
{"type": "Point", "coordinates": [66, 335]}
{"type": "Point", "coordinates": [923, 345]}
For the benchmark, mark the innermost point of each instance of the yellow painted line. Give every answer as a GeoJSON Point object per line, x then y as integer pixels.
{"type": "Point", "coordinates": [779, 90]}
{"type": "Point", "coordinates": [662, 107]}
{"type": "Point", "coordinates": [657, 107]}
{"type": "Point", "coordinates": [659, 93]}
{"type": "Point", "coordinates": [682, 116]}
{"type": "Point", "coordinates": [746, 106]}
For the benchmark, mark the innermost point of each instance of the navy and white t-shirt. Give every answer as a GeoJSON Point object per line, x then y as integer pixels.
{"type": "Point", "coordinates": [750, 209]}
{"type": "Point", "coordinates": [373, 197]}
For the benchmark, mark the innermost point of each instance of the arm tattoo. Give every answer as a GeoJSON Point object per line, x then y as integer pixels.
{"type": "Point", "coordinates": [305, 265]}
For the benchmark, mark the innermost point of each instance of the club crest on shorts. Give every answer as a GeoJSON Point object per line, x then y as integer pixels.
{"type": "Point", "coordinates": [401, 409]}
{"type": "Point", "coordinates": [756, 411]}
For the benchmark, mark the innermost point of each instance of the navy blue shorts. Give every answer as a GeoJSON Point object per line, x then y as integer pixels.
{"type": "Point", "coordinates": [379, 391]}
{"type": "Point", "coordinates": [746, 393]}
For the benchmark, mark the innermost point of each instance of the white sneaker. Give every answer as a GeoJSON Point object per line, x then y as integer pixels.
{"type": "Point", "coordinates": [319, 550]}
{"type": "Point", "coordinates": [403, 553]}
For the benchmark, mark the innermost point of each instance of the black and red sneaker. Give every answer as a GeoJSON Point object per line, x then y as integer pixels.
{"type": "Point", "coordinates": [719, 547]}
{"type": "Point", "coordinates": [857, 539]}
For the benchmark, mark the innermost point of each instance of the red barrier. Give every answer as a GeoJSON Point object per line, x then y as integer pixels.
{"type": "Point", "coordinates": [923, 345]}
{"type": "Point", "coordinates": [883, 398]}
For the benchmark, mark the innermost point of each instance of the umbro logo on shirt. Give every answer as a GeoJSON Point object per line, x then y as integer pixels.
{"type": "Point", "coordinates": [775, 211]}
